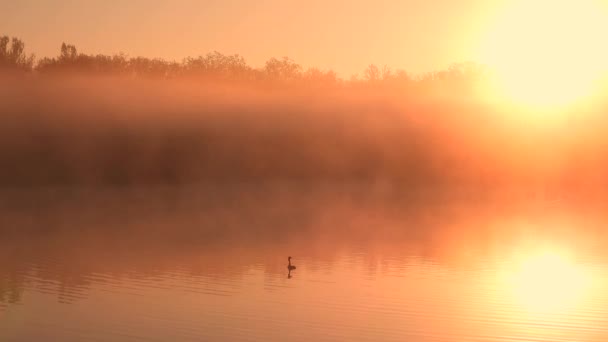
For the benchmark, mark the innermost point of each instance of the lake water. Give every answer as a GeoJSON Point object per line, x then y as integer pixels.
{"type": "Point", "coordinates": [373, 264]}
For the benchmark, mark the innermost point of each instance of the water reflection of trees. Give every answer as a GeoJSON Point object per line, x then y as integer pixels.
{"type": "Point", "coordinates": [11, 287]}
{"type": "Point", "coordinates": [64, 242]}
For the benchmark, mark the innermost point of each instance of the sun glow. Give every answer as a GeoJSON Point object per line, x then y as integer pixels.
{"type": "Point", "coordinates": [546, 52]}
{"type": "Point", "coordinates": [548, 282]}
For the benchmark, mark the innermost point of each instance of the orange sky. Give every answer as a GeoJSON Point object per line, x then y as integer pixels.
{"type": "Point", "coordinates": [344, 35]}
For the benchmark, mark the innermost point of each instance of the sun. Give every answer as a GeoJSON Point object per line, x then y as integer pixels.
{"type": "Point", "coordinates": [547, 52]}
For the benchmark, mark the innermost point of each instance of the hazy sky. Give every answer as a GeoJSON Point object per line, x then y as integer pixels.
{"type": "Point", "coordinates": [344, 35]}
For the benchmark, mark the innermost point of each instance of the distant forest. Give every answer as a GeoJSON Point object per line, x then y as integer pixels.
{"type": "Point", "coordinates": [79, 119]}
{"type": "Point", "coordinates": [215, 67]}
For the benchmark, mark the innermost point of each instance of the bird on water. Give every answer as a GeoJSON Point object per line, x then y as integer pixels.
{"type": "Point", "coordinates": [290, 266]}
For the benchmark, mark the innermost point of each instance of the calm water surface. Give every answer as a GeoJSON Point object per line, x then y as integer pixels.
{"type": "Point", "coordinates": [373, 264]}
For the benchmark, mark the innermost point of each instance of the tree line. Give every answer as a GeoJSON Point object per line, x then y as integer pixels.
{"type": "Point", "coordinates": [214, 66]}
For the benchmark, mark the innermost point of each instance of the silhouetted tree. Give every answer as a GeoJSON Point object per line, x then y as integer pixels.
{"type": "Point", "coordinates": [314, 75]}
{"type": "Point", "coordinates": [13, 56]}
{"type": "Point", "coordinates": [283, 69]}
{"type": "Point", "coordinates": [67, 59]}
{"type": "Point", "coordinates": [372, 73]}
{"type": "Point", "coordinates": [155, 68]}
{"type": "Point", "coordinates": [218, 66]}
{"type": "Point", "coordinates": [68, 53]}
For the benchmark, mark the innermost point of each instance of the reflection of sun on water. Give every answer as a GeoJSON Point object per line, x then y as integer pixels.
{"type": "Point", "coordinates": [548, 282]}
{"type": "Point", "coordinates": [547, 53]}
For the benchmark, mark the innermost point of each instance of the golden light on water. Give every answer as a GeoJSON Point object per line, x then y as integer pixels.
{"type": "Point", "coordinates": [548, 282]}
{"type": "Point", "coordinates": [547, 53]}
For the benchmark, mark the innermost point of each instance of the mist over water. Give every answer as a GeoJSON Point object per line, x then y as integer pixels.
{"type": "Point", "coordinates": [208, 262]}
{"type": "Point", "coordinates": [163, 210]}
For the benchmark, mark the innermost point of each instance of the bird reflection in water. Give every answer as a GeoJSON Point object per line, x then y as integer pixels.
{"type": "Point", "coordinates": [290, 267]}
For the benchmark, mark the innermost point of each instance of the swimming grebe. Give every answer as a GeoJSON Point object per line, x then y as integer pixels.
{"type": "Point", "coordinates": [290, 266]}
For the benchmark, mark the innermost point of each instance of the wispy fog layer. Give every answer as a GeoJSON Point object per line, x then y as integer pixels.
{"type": "Point", "coordinates": [99, 130]}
